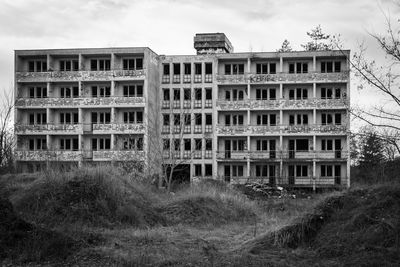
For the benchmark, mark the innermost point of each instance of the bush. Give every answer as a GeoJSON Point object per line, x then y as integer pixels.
{"type": "Point", "coordinates": [95, 196]}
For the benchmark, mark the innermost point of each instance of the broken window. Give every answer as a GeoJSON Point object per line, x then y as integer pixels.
{"type": "Point", "coordinates": [177, 68]}
{"type": "Point", "coordinates": [197, 68]}
{"type": "Point", "coordinates": [166, 94]}
{"type": "Point", "coordinates": [208, 169]}
{"type": "Point", "coordinates": [208, 68]}
{"type": "Point", "coordinates": [197, 170]}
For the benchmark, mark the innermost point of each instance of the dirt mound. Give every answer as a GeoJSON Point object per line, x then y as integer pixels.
{"type": "Point", "coordinates": [94, 196]}
{"type": "Point", "coordinates": [23, 241]}
{"type": "Point", "coordinates": [201, 210]}
{"type": "Point", "coordinates": [301, 231]}
{"type": "Point", "coordinates": [360, 227]}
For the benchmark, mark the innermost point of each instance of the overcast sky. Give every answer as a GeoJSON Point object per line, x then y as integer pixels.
{"type": "Point", "coordinates": [168, 26]}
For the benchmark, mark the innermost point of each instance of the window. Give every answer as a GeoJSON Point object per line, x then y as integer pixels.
{"type": "Point", "coordinates": [69, 143]}
{"type": "Point", "coordinates": [326, 93]}
{"type": "Point", "coordinates": [326, 171]}
{"type": "Point", "coordinates": [208, 94]}
{"type": "Point", "coordinates": [101, 117]}
{"type": "Point", "coordinates": [237, 94]}
{"type": "Point", "coordinates": [69, 65]}
{"type": "Point", "coordinates": [177, 144]}
{"type": "Point", "coordinates": [187, 68]}
{"type": "Point", "coordinates": [197, 144]}
{"type": "Point", "coordinates": [198, 118]}
{"type": "Point", "coordinates": [327, 118]}
{"type": "Point", "coordinates": [37, 66]}
{"type": "Point", "coordinates": [327, 144]}
{"type": "Point", "coordinates": [132, 63]}
{"type": "Point", "coordinates": [38, 92]}
{"type": "Point", "coordinates": [262, 119]}
{"type": "Point", "coordinates": [98, 91]}
{"type": "Point", "coordinates": [265, 68]}
{"type": "Point", "coordinates": [166, 144]}
{"type": "Point", "coordinates": [298, 94]}
{"type": "Point", "coordinates": [208, 169]}
{"type": "Point", "coordinates": [197, 68]}
{"type": "Point", "coordinates": [237, 170]}
{"type": "Point", "coordinates": [69, 118]}
{"type": "Point", "coordinates": [301, 144]}
{"type": "Point", "coordinates": [37, 118]}
{"type": "Point", "coordinates": [298, 67]}
{"type": "Point", "coordinates": [177, 119]}
{"type": "Point", "coordinates": [197, 94]}
{"type": "Point", "coordinates": [234, 119]}
{"type": "Point", "coordinates": [301, 170]}
{"type": "Point", "coordinates": [177, 94]}
{"type": "Point", "coordinates": [338, 93]}
{"type": "Point", "coordinates": [133, 90]}
{"type": "Point", "coordinates": [298, 119]}
{"type": "Point", "coordinates": [177, 68]}
{"type": "Point", "coordinates": [100, 64]}
{"type": "Point", "coordinates": [208, 144]}
{"type": "Point", "coordinates": [208, 68]}
{"type": "Point", "coordinates": [166, 120]}
{"type": "Point", "coordinates": [166, 69]}
{"type": "Point", "coordinates": [187, 144]}
{"type": "Point", "coordinates": [330, 66]}
{"type": "Point", "coordinates": [101, 143]}
{"type": "Point", "coordinates": [234, 69]}
{"type": "Point", "coordinates": [37, 144]}
{"type": "Point", "coordinates": [166, 94]}
{"type": "Point", "coordinates": [262, 145]}
{"type": "Point", "coordinates": [197, 170]}
{"type": "Point", "coordinates": [208, 119]}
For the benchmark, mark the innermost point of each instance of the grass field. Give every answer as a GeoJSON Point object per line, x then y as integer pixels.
{"type": "Point", "coordinates": [102, 217]}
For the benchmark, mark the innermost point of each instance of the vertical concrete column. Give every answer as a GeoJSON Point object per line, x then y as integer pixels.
{"type": "Point", "coordinates": [113, 67]}
{"type": "Point", "coordinates": [281, 64]}
{"type": "Point", "coordinates": [314, 63]}
{"type": "Point", "coordinates": [248, 65]}
{"type": "Point", "coordinates": [80, 88]}
{"type": "Point", "coordinates": [49, 89]}
{"type": "Point", "coordinates": [281, 159]}
{"type": "Point", "coordinates": [280, 117]}
{"type": "Point", "coordinates": [48, 142]}
{"type": "Point", "coordinates": [314, 90]}
{"type": "Point", "coordinates": [215, 119]}
{"type": "Point", "coordinates": [281, 90]}
{"type": "Point", "coordinates": [48, 118]}
{"type": "Point", "coordinates": [49, 63]}
{"type": "Point", "coordinates": [315, 116]}
{"type": "Point", "coordinates": [248, 158]}
{"type": "Point", "coordinates": [113, 115]}
{"type": "Point", "coordinates": [248, 118]}
{"type": "Point", "coordinates": [113, 142]}
{"type": "Point", "coordinates": [112, 88]}
{"type": "Point", "coordinates": [203, 71]}
{"type": "Point", "coordinates": [80, 62]}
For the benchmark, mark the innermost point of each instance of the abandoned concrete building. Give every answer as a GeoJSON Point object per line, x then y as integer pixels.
{"type": "Point", "coordinates": [273, 117]}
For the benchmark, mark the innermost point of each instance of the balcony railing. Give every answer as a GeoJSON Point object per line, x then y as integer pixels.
{"type": "Point", "coordinates": [233, 154]}
{"type": "Point", "coordinates": [48, 155]}
{"type": "Point", "coordinates": [48, 128]}
{"type": "Point", "coordinates": [127, 128]}
{"type": "Point", "coordinates": [79, 102]}
{"type": "Point", "coordinates": [281, 104]}
{"type": "Point", "coordinates": [279, 129]}
{"type": "Point", "coordinates": [306, 181]}
{"type": "Point", "coordinates": [282, 154]}
{"type": "Point", "coordinates": [118, 155]}
{"type": "Point", "coordinates": [60, 76]}
{"type": "Point", "coordinates": [283, 77]}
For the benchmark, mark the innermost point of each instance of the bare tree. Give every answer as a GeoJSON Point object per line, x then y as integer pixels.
{"type": "Point", "coordinates": [6, 130]}
{"type": "Point", "coordinates": [175, 148]}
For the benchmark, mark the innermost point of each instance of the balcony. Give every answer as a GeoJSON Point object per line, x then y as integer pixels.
{"type": "Point", "coordinates": [263, 155]}
{"type": "Point", "coordinates": [233, 155]}
{"type": "Point", "coordinates": [69, 76]}
{"type": "Point", "coordinates": [118, 155]}
{"type": "Point", "coordinates": [48, 155]}
{"type": "Point", "coordinates": [49, 129]}
{"type": "Point", "coordinates": [282, 104]}
{"type": "Point", "coordinates": [56, 102]}
{"type": "Point", "coordinates": [247, 129]}
{"type": "Point", "coordinates": [283, 77]}
{"type": "Point", "coordinates": [121, 128]}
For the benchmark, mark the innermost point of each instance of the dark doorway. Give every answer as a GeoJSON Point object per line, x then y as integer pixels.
{"type": "Point", "coordinates": [180, 175]}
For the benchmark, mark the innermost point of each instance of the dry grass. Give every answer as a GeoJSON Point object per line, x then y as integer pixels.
{"type": "Point", "coordinates": [124, 222]}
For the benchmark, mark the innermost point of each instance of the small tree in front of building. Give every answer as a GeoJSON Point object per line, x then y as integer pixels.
{"type": "Point", "coordinates": [285, 47]}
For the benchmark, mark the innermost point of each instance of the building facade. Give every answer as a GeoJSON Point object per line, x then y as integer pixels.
{"type": "Point", "coordinates": [278, 118]}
